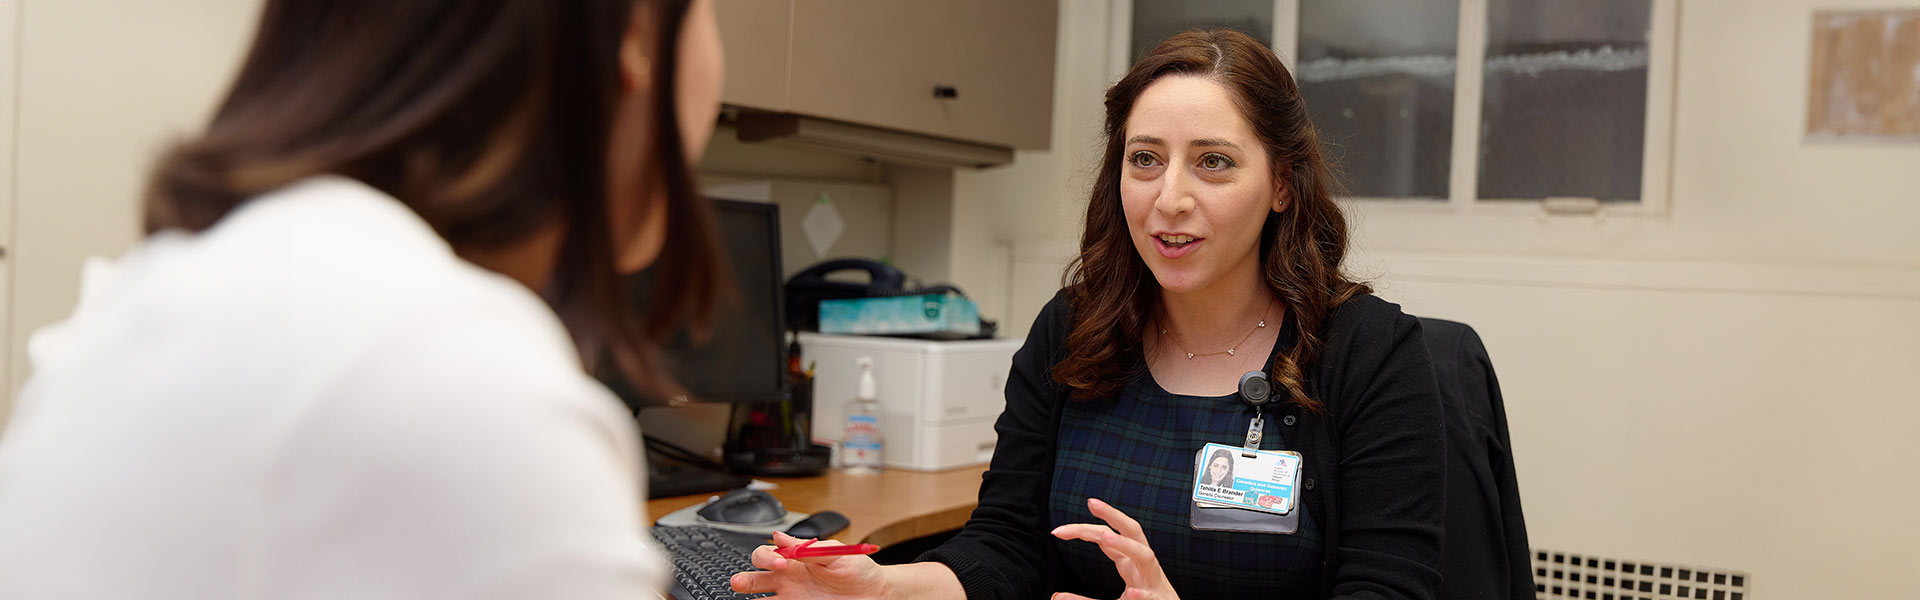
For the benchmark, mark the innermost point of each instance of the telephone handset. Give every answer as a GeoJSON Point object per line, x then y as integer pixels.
{"type": "Point", "coordinates": [807, 288]}
{"type": "Point", "coordinates": [882, 279]}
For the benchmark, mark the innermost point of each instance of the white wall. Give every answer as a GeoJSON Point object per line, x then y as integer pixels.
{"type": "Point", "coordinates": [1723, 385]}
{"type": "Point", "coordinates": [103, 86]}
{"type": "Point", "coordinates": [1769, 432]}
{"type": "Point", "coordinates": [9, 82]}
{"type": "Point", "coordinates": [923, 228]}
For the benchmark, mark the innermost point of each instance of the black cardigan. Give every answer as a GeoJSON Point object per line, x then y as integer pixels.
{"type": "Point", "coordinates": [1375, 462]}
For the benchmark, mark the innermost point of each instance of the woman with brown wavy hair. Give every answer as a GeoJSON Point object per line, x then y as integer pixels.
{"type": "Point", "coordinates": [347, 360]}
{"type": "Point", "coordinates": [1212, 248]}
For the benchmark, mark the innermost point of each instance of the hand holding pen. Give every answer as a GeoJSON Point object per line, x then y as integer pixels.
{"type": "Point", "coordinates": [805, 569]}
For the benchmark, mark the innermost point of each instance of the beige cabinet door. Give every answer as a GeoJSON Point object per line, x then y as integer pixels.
{"type": "Point", "coordinates": [1003, 63]}
{"type": "Point", "coordinates": [882, 62]}
{"type": "Point", "coordinates": [873, 62]}
{"type": "Point", "coordinates": [754, 35]}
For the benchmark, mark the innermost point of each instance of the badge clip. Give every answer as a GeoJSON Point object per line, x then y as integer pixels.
{"type": "Point", "coordinates": [1253, 435]}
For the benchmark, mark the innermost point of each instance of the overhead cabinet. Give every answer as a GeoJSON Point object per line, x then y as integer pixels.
{"type": "Point", "coordinates": [979, 71]}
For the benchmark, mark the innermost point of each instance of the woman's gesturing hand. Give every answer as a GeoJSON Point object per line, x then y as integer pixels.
{"type": "Point", "coordinates": [1122, 541]}
{"type": "Point", "coordinates": [823, 578]}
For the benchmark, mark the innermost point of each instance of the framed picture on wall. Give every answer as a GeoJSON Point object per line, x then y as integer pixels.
{"type": "Point", "coordinates": [1865, 76]}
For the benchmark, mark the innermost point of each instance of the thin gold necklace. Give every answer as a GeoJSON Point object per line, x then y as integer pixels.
{"type": "Point", "coordinates": [1229, 351]}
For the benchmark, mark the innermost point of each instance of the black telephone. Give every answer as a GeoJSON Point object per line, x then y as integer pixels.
{"type": "Point", "coordinates": [807, 288]}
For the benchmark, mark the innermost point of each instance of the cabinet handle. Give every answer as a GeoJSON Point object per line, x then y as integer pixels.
{"type": "Point", "coordinates": [946, 92]}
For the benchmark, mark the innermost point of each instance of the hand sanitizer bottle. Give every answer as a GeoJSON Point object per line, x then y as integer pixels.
{"type": "Point", "coordinates": [861, 450]}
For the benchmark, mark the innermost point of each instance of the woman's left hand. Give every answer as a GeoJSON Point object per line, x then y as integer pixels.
{"type": "Point", "coordinates": [1127, 546]}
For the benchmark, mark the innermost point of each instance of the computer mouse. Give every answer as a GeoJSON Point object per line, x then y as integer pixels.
{"type": "Point", "coordinates": [744, 507]}
{"type": "Point", "coordinates": [819, 525]}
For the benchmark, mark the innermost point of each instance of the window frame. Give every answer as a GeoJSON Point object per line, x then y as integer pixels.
{"type": "Point", "coordinates": [1469, 82]}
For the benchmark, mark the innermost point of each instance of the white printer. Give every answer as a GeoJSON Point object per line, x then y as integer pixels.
{"type": "Point", "coordinates": [938, 399]}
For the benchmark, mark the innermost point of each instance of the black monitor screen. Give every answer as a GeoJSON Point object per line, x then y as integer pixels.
{"type": "Point", "coordinates": [745, 360]}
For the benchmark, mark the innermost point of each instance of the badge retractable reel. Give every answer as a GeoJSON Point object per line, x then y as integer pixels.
{"type": "Point", "coordinates": [1256, 391]}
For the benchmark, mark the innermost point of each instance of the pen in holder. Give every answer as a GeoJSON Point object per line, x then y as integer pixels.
{"type": "Point", "coordinates": [776, 439]}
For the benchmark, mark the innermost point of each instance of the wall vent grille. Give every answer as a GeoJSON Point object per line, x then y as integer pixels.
{"type": "Point", "coordinates": [1561, 575]}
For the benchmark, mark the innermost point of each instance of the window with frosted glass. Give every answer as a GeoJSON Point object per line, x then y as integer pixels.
{"type": "Point", "coordinates": [1378, 79]}
{"type": "Point", "coordinates": [1155, 20]}
{"type": "Point", "coordinates": [1564, 108]}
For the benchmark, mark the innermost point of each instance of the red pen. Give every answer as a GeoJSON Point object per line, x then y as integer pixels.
{"type": "Point", "coordinates": [807, 549]}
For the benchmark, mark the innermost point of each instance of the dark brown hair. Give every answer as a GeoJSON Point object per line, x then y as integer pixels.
{"type": "Point", "coordinates": [1113, 293]}
{"type": "Point", "coordinates": [491, 119]}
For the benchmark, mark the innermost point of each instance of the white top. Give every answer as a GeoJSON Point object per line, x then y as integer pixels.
{"type": "Point", "coordinates": [316, 399]}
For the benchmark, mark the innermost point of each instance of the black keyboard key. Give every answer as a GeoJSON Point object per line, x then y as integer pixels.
{"type": "Point", "coordinates": [704, 559]}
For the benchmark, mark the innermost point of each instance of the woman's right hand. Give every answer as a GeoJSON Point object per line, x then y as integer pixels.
{"type": "Point", "coordinates": [823, 577]}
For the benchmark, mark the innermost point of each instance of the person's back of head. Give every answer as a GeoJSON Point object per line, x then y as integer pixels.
{"type": "Point", "coordinates": [340, 363]}
{"type": "Point", "coordinates": [497, 122]}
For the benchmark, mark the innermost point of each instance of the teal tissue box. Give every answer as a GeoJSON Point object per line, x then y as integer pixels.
{"type": "Point", "coordinates": [930, 315]}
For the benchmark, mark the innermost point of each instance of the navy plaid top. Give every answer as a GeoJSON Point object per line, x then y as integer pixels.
{"type": "Point", "coordinates": [1136, 452]}
{"type": "Point", "coordinates": [1371, 527]}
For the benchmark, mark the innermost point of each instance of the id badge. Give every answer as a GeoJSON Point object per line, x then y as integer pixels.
{"type": "Point", "coordinates": [1247, 479]}
{"type": "Point", "coordinates": [1212, 516]}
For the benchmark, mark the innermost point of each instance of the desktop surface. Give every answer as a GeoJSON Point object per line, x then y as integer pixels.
{"type": "Point", "coordinates": [890, 507]}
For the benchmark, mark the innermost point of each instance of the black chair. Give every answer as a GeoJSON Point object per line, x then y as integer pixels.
{"type": "Point", "coordinates": [1486, 553]}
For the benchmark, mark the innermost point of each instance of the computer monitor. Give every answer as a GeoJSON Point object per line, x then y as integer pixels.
{"type": "Point", "coordinates": [745, 360]}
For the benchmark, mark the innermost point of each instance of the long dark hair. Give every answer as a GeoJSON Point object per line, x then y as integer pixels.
{"type": "Point", "coordinates": [1112, 291]}
{"type": "Point", "coordinates": [491, 119]}
{"type": "Point", "coordinates": [1207, 469]}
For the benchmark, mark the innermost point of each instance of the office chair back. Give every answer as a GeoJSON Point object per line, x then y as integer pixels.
{"type": "Point", "coordinates": [1486, 556]}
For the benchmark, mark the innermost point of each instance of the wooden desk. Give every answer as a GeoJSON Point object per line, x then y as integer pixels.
{"type": "Point", "coordinates": [884, 509]}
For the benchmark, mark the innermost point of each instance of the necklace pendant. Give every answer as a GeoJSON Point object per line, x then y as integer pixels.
{"type": "Point", "coordinates": [1229, 352]}
{"type": "Point", "coordinates": [1189, 356]}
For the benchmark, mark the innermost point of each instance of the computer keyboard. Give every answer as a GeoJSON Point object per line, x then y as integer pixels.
{"type": "Point", "coordinates": [704, 559]}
